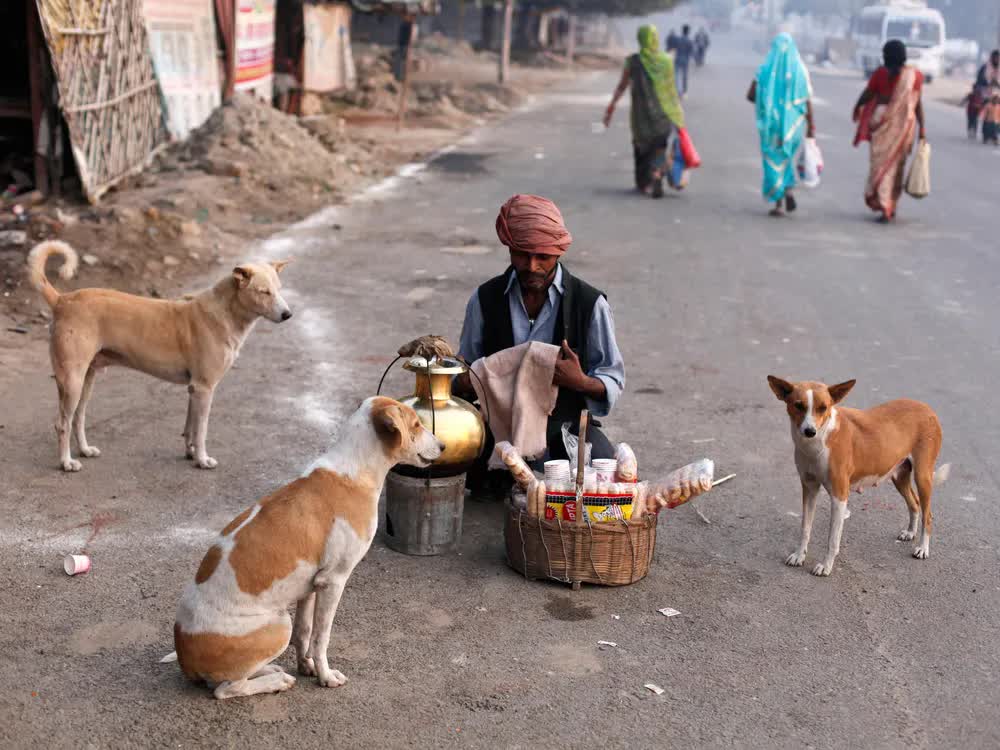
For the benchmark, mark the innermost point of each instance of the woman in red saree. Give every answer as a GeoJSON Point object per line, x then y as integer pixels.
{"type": "Point", "coordinates": [888, 114]}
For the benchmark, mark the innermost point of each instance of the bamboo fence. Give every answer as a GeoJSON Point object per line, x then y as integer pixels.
{"type": "Point", "coordinates": [108, 93]}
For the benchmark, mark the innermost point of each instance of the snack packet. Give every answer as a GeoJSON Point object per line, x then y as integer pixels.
{"type": "Point", "coordinates": [683, 484]}
{"type": "Point", "coordinates": [511, 457]}
{"type": "Point", "coordinates": [628, 465]}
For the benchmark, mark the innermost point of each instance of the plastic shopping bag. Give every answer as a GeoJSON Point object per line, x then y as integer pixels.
{"type": "Point", "coordinates": [691, 158]}
{"type": "Point", "coordinates": [810, 163]}
{"type": "Point", "coordinates": [918, 181]}
{"type": "Point", "coordinates": [677, 173]}
{"type": "Point", "coordinates": [572, 445]}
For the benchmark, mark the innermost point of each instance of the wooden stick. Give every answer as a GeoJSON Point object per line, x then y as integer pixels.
{"type": "Point", "coordinates": [503, 74]}
{"type": "Point", "coordinates": [401, 115]}
{"type": "Point", "coordinates": [717, 482]}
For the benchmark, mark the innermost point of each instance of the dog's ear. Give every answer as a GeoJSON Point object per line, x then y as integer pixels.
{"type": "Point", "coordinates": [242, 274]}
{"type": "Point", "coordinates": [839, 392]}
{"type": "Point", "coordinates": [277, 265]}
{"type": "Point", "coordinates": [782, 388]}
{"type": "Point", "coordinates": [387, 418]}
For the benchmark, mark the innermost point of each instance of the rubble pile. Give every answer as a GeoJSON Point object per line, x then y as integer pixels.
{"type": "Point", "coordinates": [248, 138]}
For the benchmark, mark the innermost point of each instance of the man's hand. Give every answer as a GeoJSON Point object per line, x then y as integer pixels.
{"type": "Point", "coordinates": [569, 373]}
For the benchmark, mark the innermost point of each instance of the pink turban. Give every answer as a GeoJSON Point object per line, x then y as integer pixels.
{"type": "Point", "coordinates": [532, 224]}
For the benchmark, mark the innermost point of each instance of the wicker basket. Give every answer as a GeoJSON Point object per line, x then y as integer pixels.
{"type": "Point", "coordinates": [609, 554]}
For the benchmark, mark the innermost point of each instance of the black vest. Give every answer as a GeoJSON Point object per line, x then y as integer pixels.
{"type": "Point", "coordinates": [572, 324]}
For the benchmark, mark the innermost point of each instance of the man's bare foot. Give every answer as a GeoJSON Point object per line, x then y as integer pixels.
{"type": "Point", "coordinates": [790, 203]}
{"type": "Point", "coordinates": [776, 211]}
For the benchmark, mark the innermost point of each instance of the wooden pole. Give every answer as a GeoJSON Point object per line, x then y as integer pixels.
{"type": "Point", "coordinates": [508, 18]}
{"type": "Point", "coordinates": [36, 58]}
{"type": "Point", "coordinates": [401, 115]}
{"type": "Point", "coordinates": [571, 42]}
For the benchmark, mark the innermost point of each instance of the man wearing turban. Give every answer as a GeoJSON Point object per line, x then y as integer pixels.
{"type": "Point", "coordinates": [537, 299]}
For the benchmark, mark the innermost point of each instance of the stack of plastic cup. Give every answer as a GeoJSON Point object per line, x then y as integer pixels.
{"type": "Point", "coordinates": [607, 470]}
{"type": "Point", "coordinates": [557, 475]}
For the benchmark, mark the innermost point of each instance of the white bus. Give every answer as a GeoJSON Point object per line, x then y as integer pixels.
{"type": "Point", "coordinates": [920, 27]}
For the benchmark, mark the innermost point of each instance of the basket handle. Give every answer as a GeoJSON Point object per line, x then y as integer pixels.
{"type": "Point", "coordinates": [581, 455]}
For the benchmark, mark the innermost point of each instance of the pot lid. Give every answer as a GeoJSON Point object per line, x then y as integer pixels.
{"type": "Point", "coordinates": [445, 366]}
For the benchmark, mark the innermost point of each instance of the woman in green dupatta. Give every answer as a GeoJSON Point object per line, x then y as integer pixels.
{"type": "Point", "coordinates": [782, 94]}
{"type": "Point", "coordinates": [656, 109]}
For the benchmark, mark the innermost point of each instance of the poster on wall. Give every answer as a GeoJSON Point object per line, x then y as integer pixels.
{"type": "Point", "coordinates": [327, 61]}
{"type": "Point", "coordinates": [254, 59]}
{"type": "Point", "coordinates": [185, 58]}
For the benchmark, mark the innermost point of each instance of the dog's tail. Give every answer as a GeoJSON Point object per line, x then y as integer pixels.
{"type": "Point", "coordinates": [171, 657]}
{"type": "Point", "coordinates": [39, 254]}
{"type": "Point", "coordinates": [942, 474]}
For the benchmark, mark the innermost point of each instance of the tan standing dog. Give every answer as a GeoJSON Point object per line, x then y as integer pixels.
{"type": "Point", "coordinates": [298, 545]}
{"type": "Point", "coordinates": [844, 449]}
{"type": "Point", "coordinates": [193, 341]}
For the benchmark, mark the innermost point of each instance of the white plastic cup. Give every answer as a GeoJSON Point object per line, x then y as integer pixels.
{"type": "Point", "coordinates": [557, 471]}
{"type": "Point", "coordinates": [75, 565]}
{"type": "Point", "coordinates": [607, 470]}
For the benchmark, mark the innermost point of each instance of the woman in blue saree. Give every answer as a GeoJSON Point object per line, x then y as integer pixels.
{"type": "Point", "coordinates": [782, 93]}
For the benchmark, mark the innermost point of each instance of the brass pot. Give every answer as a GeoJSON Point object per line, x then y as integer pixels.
{"type": "Point", "coordinates": [456, 422]}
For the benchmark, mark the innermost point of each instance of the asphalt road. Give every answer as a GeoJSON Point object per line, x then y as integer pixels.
{"type": "Point", "coordinates": [710, 295]}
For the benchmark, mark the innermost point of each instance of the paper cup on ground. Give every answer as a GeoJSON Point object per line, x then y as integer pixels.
{"type": "Point", "coordinates": [75, 565]}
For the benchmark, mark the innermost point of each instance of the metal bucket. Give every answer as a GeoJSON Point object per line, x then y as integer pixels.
{"type": "Point", "coordinates": [422, 519]}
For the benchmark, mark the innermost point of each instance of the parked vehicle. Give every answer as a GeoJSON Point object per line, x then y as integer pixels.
{"type": "Point", "coordinates": [912, 22]}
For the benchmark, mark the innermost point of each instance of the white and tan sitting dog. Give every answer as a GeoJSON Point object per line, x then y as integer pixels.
{"type": "Point", "coordinates": [191, 341]}
{"type": "Point", "coordinates": [299, 546]}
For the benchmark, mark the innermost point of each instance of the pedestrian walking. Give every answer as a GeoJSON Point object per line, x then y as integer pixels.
{"type": "Point", "coordinates": [980, 99]}
{"type": "Point", "coordinates": [782, 95]}
{"type": "Point", "coordinates": [701, 42]}
{"type": "Point", "coordinates": [974, 103]}
{"type": "Point", "coordinates": [672, 40]}
{"type": "Point", "coordinates": [656, 109]}
{"type": "Point", "coordinates": [683, 52]}
{"type": "Point", "coordinates": [889, 112]}
{"type": "Point", "coordinates": [991, 118]}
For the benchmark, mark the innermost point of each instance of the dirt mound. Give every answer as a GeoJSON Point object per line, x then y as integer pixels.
{"type": "Point", "coordinates": [248, 137]}
{"type": "Point", "coordinates": [439, 45]}
{"type": "Point", "coordinates": [450, 100]}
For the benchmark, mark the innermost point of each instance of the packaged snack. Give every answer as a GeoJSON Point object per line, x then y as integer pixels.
{"type": "Point", "coordinates": [521, 472]}
{"type": "Point", "coordinates": [681, 485]}
{"type": "Point", "coordinates": [536, 500]}
{"type": "Point", "coordinates": [641, 489]}
{"type": "Point", "coordinates": [628, 466]}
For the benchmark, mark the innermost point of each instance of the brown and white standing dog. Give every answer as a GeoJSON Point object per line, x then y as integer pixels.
{"type": "Point", "coordinates": [844, 449]}
{"type": "Point", "coordinates": [192, 341]}
{"type": "Point", "coordinates": [298, 545]}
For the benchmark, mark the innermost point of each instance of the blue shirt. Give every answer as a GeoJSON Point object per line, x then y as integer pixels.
{"type": "Point", "coordinates": [683, 49]}
{"type": "Point", "coordinates": [604, 360]}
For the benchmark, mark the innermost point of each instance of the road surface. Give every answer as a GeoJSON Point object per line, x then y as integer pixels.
{"type": "Point", "coordinates": [710, 296]}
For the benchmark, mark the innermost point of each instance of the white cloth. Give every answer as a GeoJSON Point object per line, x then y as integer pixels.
{"type": "Point", "coordinates": [518, 394]}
